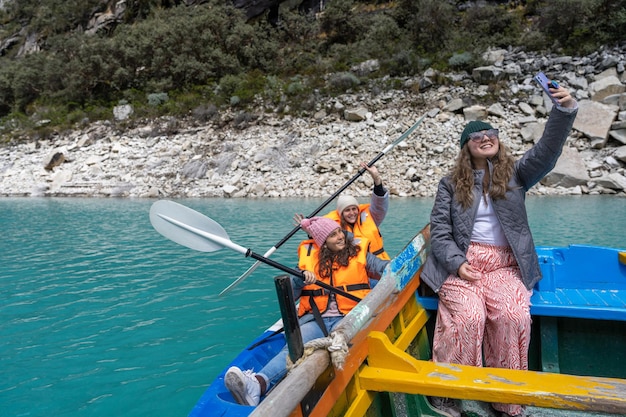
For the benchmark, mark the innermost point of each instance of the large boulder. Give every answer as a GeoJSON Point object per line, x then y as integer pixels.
{"type": "Point", "coordinates": [594, 121]}
{"type": "Point", "coordinates": [488, 74]}
{"type": "Point", "coordinates": [569, 171]}
{"type": "Point", "coordinates": [605, 87]}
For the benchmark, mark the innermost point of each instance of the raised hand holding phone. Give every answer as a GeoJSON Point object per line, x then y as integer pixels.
{"type": "Point", "coordinates": [546, 84]}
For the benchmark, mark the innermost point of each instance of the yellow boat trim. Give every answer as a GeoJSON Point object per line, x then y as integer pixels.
{"type": "Point", "coordinates": [409, 322]}
{"type": "Point", "coordinates": [622, 257]}
{"type": "Point", "coordinates": [390, 369]}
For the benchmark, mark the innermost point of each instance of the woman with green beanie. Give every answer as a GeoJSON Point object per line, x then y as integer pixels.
{"type": "Point", "coordinates": [483, 264]}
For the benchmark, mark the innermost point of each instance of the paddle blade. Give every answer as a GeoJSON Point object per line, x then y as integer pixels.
{"type": "Point", "coordinates": [186, 226]}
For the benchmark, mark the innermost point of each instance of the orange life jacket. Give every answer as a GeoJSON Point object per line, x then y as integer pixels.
{"type": "Point", "coordinates": [352, 279]}
{"type": "Point", "coordinates": [365, 227]}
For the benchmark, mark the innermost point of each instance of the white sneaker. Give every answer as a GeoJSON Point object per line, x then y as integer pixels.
{"type": "Point", "coordinates": [446, 406]}
{"type": "Point", "coordinates": [243, 385]}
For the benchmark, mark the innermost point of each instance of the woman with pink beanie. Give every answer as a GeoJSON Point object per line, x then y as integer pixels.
{"type": "Point", "coordinates": [334, 258]}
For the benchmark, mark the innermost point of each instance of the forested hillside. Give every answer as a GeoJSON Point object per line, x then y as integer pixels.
{"type": "Point", "coordinates": [67, 62]}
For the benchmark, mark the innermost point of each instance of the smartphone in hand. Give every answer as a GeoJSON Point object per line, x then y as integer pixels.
{"type": "Point", "coordinates": [546, 84]}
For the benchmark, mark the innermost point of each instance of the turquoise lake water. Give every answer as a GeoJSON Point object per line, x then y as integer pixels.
{"type": "Point", "coordinates": [101, 316]}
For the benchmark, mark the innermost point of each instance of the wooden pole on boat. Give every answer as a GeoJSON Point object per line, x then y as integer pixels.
{"type": "Point", "coordinates": [271, 250]}
{"type": "Point", "coordinates": [196, 231]}
{"type": "Point", "coordinates": [289, 315]}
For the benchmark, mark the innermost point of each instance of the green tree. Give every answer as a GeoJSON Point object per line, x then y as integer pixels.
{"type": "Point", "coordinates": [430, 23]}
{"type": "Point", "coordinates": [581, 25]}
{"type": "Point", "coordinates": [339, 22]}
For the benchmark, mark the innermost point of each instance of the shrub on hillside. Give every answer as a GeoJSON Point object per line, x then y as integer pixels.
{"type": "Point", "coordinates": [488, 26]}
{"type": "Point", "coordinates": [429, 23]}
{"type": "Point", "coordinates": [462, 60]}
{"type": "Point", "coordinates": [339, 23]}
{"type": "Point", "coordinates": [342, 82]}
{"type": "Point", "coordinates": [578, 26]}
{"type": "Point", "coordinates": [209, 52]}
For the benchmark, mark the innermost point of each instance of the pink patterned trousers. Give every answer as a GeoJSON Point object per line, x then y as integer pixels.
{"type": "Point", "coordinates": [489, 318]}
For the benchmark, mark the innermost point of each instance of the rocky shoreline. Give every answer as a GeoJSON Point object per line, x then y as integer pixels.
{"type": "Point", "coordinates": [271, 154]}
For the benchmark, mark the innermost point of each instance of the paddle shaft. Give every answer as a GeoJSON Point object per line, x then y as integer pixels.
{"type": "Point", "coordinates": [325, 203]}
{"type": "Point", "coordinates": [347, 184]}
{"type": "Point", "coordinates": [300, 274]}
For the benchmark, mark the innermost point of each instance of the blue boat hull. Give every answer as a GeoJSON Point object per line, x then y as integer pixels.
{"type": "Point", "coordinates": [216, 400]}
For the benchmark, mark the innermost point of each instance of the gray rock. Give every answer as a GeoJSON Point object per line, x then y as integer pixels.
{"type": "Point", "coordinates": [229, 190]}
{"type": "Point", "coordinates": [53, 160]}
{"type": "Point", "coordinates": [569, 171]}
{"type": "Point", "coordinates": [605, 87]}
{"type": "Point", "coordinates": [620, 153]}
{"type": "Point", "coordinates": [355, 115]}
{"type": "Point", "coordinates": [496, 109]}
{"type": "Point", "coordinates": [475, 113]}
{"type": "Point", "coordinates": [594, 121]}
{"type": "Point", "coordinates": [455, 105]}
{"type": "Point", "coordinates": [613, 181]}
{"type": "Point", "coordinates": [122, 112]}
{"type": "Point", "coordinates": [531, 132]}
{"type": "Point", "coordinates": [487, 75]}
{"type": "Point", "coordinates": [366, 68]}
{"type": "Point", "coordinates": [618, 135]}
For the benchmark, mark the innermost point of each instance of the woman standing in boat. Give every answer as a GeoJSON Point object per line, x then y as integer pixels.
{"type": "Point", "coordinates": [333, 258]}
{"type": "Point", "coordinates": [483, 262]}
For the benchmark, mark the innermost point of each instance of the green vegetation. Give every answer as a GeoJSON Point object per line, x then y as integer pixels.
{"type": "Point", "coordinates": [166, 58]}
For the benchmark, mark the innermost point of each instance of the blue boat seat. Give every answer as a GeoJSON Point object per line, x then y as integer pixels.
{"type": "Point", "coordinates": [578, 281]}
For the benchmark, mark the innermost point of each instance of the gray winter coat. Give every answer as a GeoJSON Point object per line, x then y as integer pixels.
{"type": "Point", "coordinates": [451, 225]}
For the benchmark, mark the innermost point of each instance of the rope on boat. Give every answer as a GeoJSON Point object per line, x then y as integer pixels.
{"type": "Point", "coordinates": [338, 349]}
{"type": "Point", "coordinates": [335, 344]}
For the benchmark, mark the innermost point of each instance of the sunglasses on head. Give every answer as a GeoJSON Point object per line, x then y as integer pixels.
{"type": "Point", "coordinates": [477, 136]}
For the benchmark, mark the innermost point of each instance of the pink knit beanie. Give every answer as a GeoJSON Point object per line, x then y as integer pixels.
{"type": "Point", "coordinates": [319, 228]}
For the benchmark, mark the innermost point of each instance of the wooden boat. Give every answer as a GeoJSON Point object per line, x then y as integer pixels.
{"type": "Point", "coordinates": [577, 350]}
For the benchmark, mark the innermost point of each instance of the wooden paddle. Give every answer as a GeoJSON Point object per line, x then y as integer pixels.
{"type": "Point", "coordinates": [196, 231]}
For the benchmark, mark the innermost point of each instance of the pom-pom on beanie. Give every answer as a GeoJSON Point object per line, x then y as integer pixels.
{"type": "Point", "coordinates": [345, 201]}
{"type": "Point", "coordinates": [471, 127]}
{"type": "Point", "coordinates": [319, 228]}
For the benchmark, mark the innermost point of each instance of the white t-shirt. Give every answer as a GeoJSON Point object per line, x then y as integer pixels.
{"type": "Point", "coordinates": [487, 227]}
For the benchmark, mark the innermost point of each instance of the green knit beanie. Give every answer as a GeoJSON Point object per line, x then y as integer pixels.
{"type": "Point", "coordinates": [471, 127]}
